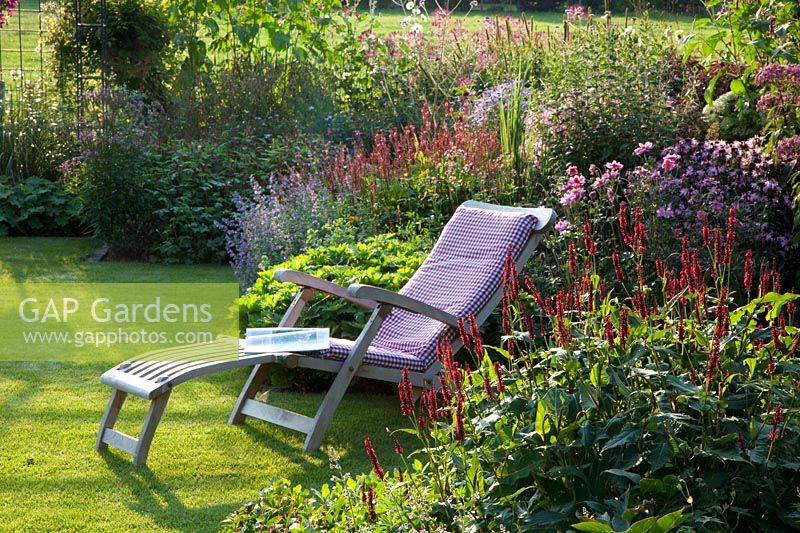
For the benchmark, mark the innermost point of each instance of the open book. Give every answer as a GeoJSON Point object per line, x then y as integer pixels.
{"type": "Point", "coordinates": [265, 340]}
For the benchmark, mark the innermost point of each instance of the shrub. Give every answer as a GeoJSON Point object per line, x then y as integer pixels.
{"type": "Point", "coordinates": [383, 260]}
{"type": "Point", "coordinates": [635, 410]}
{"type": "Point", "coordinates": [137, 42]}
{"type": "Point", "coordinates": [162, 199]}
{"type": "Point", "coordinates": [34, 137]}
{"type": "Point", "coordinates": [36, 206]}
{"type": "Point", "coordinates": [603, 91]}
{"type": "Point", "coordinates": [272, 226]}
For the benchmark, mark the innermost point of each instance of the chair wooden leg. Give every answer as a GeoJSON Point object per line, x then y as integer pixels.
{"type": "Point", "coordinates": [110, 416]}
{"type": "Point", "coordinates": [251, 387]}
{"type": "Point", "coordinates": [157, 406]}
{"type": "Point", "coordinates": [343, 379]}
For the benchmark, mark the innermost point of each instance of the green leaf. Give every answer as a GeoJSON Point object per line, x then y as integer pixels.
{"type": "Point", "coordinates": [594, 525]}
{"type": "Point", "coordinates": [660, 455]}
{"type": "Point", "coordinates": [625, 437]}
{"type": "Point", "coordinates": [737, 87]}
{"type": "Point", "coordinates": [633, 477]}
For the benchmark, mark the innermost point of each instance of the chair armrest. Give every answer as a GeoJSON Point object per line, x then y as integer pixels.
{"type": "Point", "coordinates": [317, 284]}
{"type": "Point", "coordinates": [382, 296]}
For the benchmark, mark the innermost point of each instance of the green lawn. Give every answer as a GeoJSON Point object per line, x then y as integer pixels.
{"type": "Point", "coordinates": [19, 42]}
{"type": "Point", "coordinates": [388, 20]}
{"type": "Point", "coordinates": [199, 469]}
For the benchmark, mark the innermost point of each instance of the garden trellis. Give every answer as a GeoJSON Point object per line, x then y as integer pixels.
{"type": "Point", "coordinates": [21, 54]}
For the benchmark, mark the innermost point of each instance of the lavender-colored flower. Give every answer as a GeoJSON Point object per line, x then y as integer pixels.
{"type": "Point", "coordinates": [643, 148]}
{"type": "Point", "coordinates": [562, 225]}
{"type": "Point", "coordinates": [669, 162]}
{"type": "Point", "coordinates": [788, 150]}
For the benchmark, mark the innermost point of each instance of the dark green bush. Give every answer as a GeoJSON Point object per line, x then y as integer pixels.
{"type": "Point", "coordinates": [36, 206]}
{"type": "Point", "coordinates": [138, 42]}
{"type": "Point", "coordinates": [604, 91]}
{"type": "Point", "coordinates": [384, 261]}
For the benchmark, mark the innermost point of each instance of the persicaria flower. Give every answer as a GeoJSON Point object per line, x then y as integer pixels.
{"type": "Point", "coordinates": [405, 389]}
{"type": "Point", "coordinates": [609, 331]}
{"type": "Point", "coordinates": [748, 270]}
{"type": "Point", "coordinates": [398, 448]}
{"type": "Point", "coordinates": [373, 457]}
{"type": "Point", "coordinates": [623, 326]}
{"type": "Point", "coordinates": [617, 266]}
{"type": "Point", "coordinates": [476, 334]}
{"type": "Point", "coordinates": [487, 387]}
{"type": "Point", "coordinates": [501, 385]}
{"type": "Point", "coordinates": [370, 499]}
{"type": "Point", "coordinates": [459, 416]}
{"type": "Point", "coordinates": [462, 331]}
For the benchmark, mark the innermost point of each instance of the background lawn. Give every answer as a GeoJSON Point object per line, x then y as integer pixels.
{"type": "Point", "coordinates": [199, 469]}
{"type": "Point", "coordinates": [388, 20]}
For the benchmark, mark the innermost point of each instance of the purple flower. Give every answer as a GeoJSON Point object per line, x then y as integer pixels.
{"type": "Point", "coordinates": [669, 162]}
{"type": "Point", "coordinates": [643, 148]}
{"type": "Point", "coordinates": [572, 197]}
{"type": "Point", "coordinates": [562, 225]}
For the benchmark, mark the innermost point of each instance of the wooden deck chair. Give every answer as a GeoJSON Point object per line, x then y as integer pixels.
{"type": "Point", "coordinates": [462, 275]}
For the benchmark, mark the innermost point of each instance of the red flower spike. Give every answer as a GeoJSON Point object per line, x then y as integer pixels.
{"type": "Point", "coordinates": [776, 338]}
{"type": "Point", "coordinates": [487, 387]}
{"type": "Point", "coordinates": [609, 331]}
{"type": "Point", "coordinates": [501, 385]}
{"type": "Point", "coordinates": [376, 466]}
{"type": "Point", "coordinates": [573, 262]}
{"type": "Point", "coordinates": [730, 236]}
{"type": "Point", "coordinates": [591, 249]}
{"type": "Point", "coordinates": [405, 389]}
{"type": "Point", "coordinates": [623, 225]}
{"type": "Point", "coordinates": [706, 235]}
{"type": "Point", "coordinates": [446, 394]}
{"type": "Point", "coordinates": [370, 496]}
{"type": "Point", "coordinates": [459, 422]}
{"type": "Point", "coordinates": [617, 266]}
{"type": "Point", "coordinates": [462, 331]}
{"type": "Point", "coordinates": [398, 448]}
{"type": "Point", "coordinates": [742, 444]}
{"type": "Point", "coordinates": [476, 334]}
{"type": "Point", "coordinates": [623, 326]}
{"type": "Point", "coordinates": [748, 271]}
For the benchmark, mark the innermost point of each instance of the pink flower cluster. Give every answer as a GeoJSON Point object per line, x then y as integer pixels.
{"type": "Point", "coordinates": [7, 8]}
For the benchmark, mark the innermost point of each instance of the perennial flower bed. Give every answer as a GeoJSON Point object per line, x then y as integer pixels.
{"type": "Point", "coordinates": [614, 403]}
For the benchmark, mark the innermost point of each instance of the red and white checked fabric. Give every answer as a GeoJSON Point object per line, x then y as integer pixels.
{"type": "Point", "coordinates": [460, 275]}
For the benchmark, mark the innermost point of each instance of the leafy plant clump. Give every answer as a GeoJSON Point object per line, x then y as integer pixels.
{"type": "Point", "coordinates": [642, 406]}
{"type": "Point", "coordinates": [383, 260]}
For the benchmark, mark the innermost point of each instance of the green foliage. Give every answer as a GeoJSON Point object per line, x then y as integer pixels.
{"type": "Point", "coordinates": [163, 199]}
{"type": "Point", "coordinates": [383, 260]}
{"type": "Point", "coordinates": [604, 91]}
{"type": "Point", "coordinates": [33, 132]}
{"type": "Point", "coordinates": [731, 119]}
{"type": "Point", "coordinates": [138, 43]}
{"type": "Point", "coordinates": [36, 206]}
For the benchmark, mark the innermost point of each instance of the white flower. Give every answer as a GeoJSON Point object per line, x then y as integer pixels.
{"type": "Point", "coordinates": [423, 18]}
{"type": "Point", "coordinates": [629, 31]}
{"type": "Point", "coordinates": [416, 28]}
{"type": "Point", "coordinates": [410, 6]}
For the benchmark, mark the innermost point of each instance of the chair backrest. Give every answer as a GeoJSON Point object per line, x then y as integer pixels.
{"type": "Point", "coordinates": [463, 273]}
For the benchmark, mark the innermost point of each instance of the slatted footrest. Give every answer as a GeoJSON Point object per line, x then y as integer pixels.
{"type": "Point", "coordinates": [276, 415]}
{"type": "Point", "coordinates": [120, 440]}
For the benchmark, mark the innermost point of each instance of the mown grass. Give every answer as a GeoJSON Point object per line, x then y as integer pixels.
{"type": "Point", "coordinates": [19, 43]}
{"type": "Point", "coordinates": [388, 20]}
{"type": "Point", "coordinates": [200, 468]}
